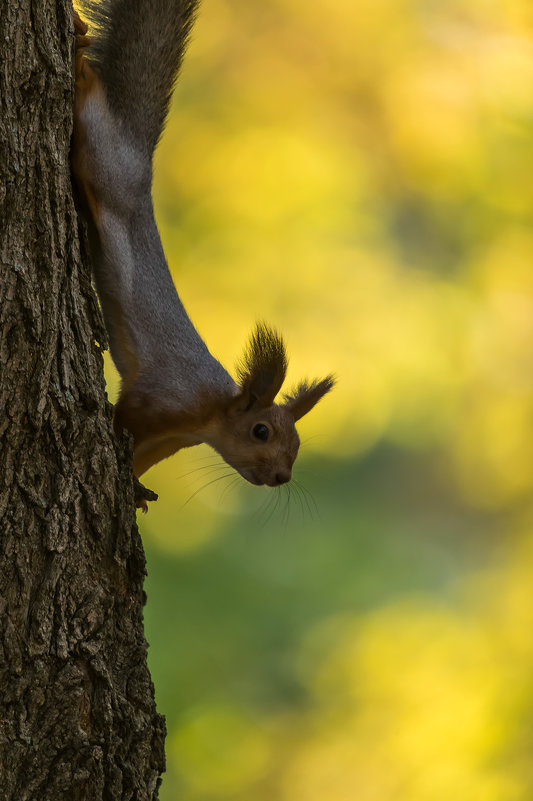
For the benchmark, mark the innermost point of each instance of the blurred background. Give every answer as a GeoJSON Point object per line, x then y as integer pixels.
{"type": "Point", "coordinates": [358, 173]}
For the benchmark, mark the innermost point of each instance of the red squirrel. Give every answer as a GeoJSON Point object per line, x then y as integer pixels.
{"type": "Point", "coordinates": [174, 393]}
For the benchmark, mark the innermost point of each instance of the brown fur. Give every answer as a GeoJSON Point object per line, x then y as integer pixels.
{"type": "Point", "coordinates": [227, 423]}
{"type": "Point", "coordinates": [263, 367]}
{"type": "Point", "coordinates": [306, 395]}
{"type": "Point", "coordinates": [259, 462]}
{"type": "Point", "coordinates": [174, 393]}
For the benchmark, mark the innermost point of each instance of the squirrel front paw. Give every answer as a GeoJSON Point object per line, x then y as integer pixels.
{"type": "Point", "coordinates": [142, 495]}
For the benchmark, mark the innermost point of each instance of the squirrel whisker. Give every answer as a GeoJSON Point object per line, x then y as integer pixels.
{"type": "Point", "coordinates": [228, 476]}
{"type": "Point", "coordinates": [220, 465]}
{"type": "Point", "coordinates": [308, 496]}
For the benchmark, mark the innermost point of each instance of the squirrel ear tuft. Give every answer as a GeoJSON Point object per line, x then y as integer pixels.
{"type": "Point", "coordinates": [306, 395]}
{"type": "Point", "coordinates": [262, 369]}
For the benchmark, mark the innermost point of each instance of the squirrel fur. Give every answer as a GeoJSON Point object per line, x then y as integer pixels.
{"type": "Point", "coordinates": [174, 393]}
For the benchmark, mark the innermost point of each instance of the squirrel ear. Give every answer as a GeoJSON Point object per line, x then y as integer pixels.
{"type": "Point", "coordinates": [306, 395]}
{"type": "Point", "coordinates": [262, 369]}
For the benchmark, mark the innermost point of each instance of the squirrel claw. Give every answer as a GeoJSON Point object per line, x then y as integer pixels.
{"type": "Point", "coordinates": [142, 495]}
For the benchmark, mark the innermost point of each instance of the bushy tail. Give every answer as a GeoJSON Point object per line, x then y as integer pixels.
{"type": "Point", "coordinates": [137, 50]}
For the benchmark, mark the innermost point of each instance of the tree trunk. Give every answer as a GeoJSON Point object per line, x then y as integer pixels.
{"type": "Point", "coordinates": [77, 710]}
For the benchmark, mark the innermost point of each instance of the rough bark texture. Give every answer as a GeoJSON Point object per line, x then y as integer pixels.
{"type": "Point", "coordinates": [77, 711]}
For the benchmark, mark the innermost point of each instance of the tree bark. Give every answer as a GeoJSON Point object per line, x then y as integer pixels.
{"type": "Point", "coordinates": [77, 711]}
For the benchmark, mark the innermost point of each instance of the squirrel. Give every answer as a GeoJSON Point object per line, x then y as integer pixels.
{"type": "Point", "coordinates": [174, 393]}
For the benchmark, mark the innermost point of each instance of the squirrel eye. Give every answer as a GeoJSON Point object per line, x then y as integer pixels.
{"type": "Point", "coordinates": [260, 431]}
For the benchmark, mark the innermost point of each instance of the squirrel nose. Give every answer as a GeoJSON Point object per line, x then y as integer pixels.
{"type": "Point", "coordinates": [283, 476]}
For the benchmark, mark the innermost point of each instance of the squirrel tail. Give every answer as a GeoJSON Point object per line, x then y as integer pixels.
{"type": "Point", "coordinates": [137, 47]}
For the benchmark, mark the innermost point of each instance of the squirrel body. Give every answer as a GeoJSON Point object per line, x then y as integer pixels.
{"type": "Point", "coordinates": [174, 393]}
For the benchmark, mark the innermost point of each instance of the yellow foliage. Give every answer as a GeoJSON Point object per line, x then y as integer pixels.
{"type": "Point", "coordinates": [359, 174]}
{"type": "Point", "coordinates": [420, 702]}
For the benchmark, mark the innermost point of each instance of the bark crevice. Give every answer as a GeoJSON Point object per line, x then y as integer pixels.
{"type": "Point", "coordinates": [77, 711]}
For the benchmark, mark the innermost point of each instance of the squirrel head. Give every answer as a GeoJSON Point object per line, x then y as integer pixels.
{"type": "Point", "coordinates": [256, 436]}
